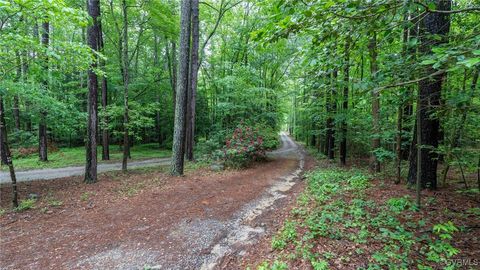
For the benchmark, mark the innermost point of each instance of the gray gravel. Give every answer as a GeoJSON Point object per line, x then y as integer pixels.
{"type": "Point", "coordinates": [239, 235]}
{"type": "Point", "coordinates": [49, 174]}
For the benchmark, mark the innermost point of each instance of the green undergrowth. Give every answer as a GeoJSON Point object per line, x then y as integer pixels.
{"type": "Point", "coordinates": [25, 205]}
{"type": "Point", "coordinates": [335, 224]}
{"type": "Point", "coordinates": [75, 156]}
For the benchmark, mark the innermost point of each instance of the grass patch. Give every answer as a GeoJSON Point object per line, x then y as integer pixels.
{"type": "Point", "coordinates": [129, 189]}
{"type": "Point", "coordinates": [25, 205]}
{"type": "Point", "coordinates": [86, 196]}
{"type": "Point", "coordinates": [54, 203]}
{"type": "Point", "coordinates": [335, 222]}
{"type": "Point", "coordinates": [76, 156]}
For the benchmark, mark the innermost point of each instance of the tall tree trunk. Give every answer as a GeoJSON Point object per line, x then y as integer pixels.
{"type": "Point", "coordinates": [33, 54]}
{"type": "Point", "coordinates": [193, 81]}
{"type": "Point", "coordinates": [478, 173]}
{"type": "Point", "coordinates": [105, 133]}
{"type": "Point", "coordinates": [156, 63]}
{"type": "Point", "coordinates": [93, 7]}
{"type": "Point", "coordinates": [329, 120]}
{"type": "Point", "coordinates": [172, 69]}
{"type": "Point", "coordinates": [178, 148]}
{"type": "Point", "coordinates": [418, 152]}
{"type": "Point", "coordinates": [372, 48]}
{"type": "Point", "coordinates": [6, 156]}
{"type": "Point", "coordinates": [429, 94]}
{"type": "Point", "coordinates": [398, 145]}
{"type": "Point", "coordinates": [125, 65]}
{"type": "Point", "coordinates": [332, 108]}
{"type": "Point", "coordinates": [346, 81]}
{"type": "Point", "coordinates": [457, 133]}
{"type": "Point", "coordinates": [404, 96]}
{"type": "Point", "coordinates": [42, 125]}
{"type": "Point", "coordinates": [19, 79]}
{"type": "Point", "coordinates": [410, 89]}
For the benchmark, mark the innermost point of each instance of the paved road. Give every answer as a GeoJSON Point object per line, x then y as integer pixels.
{"type": "Point", "coordinates": [288, 146]}
{"type": "Point", "coordinates": [47, 174]}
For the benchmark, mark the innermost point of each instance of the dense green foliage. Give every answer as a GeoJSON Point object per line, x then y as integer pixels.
{"type": "Point", "coordinates": [351, 53]}
{"type": "Point", "coordinates": [307, 64]}
{"type": "Point", "coordinates": [238, 81]}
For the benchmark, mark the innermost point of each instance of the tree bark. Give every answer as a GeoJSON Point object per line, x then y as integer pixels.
{"type": "Point", "coordinates": [156, 63]}
{"type": "Point", "coordinates": [372, 48]}
{"type": "Point", "coordinates": [172, 69]}
{"type": "Point", "coordinates": [419, 155]}
{"type": "Point", "coordinates": [16, 105]}
{"type": "Point", "coordinates": [6, 156]}
{"type": "Point", "coordinates": [192, 99]}
{"type": "Point", "coordinates": [405, 108]}
{"type": "Point", "coordinates": [178, 148]}
{"type": "Point", "coordinates": [105, 133]}
{"type": "Point", "coordinates": [331, 110]}
{"type": "Point", "coordinates": [429, 95]}
{"type": "Point", "coordinates": [42, 125]}
{"type": "Point", "coordinates": [346, 81]}
{"type": "Point", "coordinates": [93, 7]}
{"type": "Point", "coordinates": [398, 145]}
{"type": "Point", "coordinates": [478, 174]}
{"type": "Point", "coordinates": [16, 112]}
{"type": "Point", "coordinates": [410, 89]}
{"type": "Point", "coordinates": [125, 65]}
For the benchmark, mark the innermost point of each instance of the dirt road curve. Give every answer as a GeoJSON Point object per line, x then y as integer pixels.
{"type": "Point", "coordinates": [192, 222]}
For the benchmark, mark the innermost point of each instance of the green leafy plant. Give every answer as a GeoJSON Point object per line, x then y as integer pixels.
{"type": "Point", "coordinates": [398, 205]}
{"type": "Point", "coordinates": [445, 230]}
{"type": "Point", "coordinates": [286, 235]}
{"type": "Point", "coordinates": [319, 264]}
{"type": "Point", "coordinates": [276, 265]}
{"type": "Point", "coordinates": [85, 196]}
{"type": "Point", "coordinates": [26, 205]}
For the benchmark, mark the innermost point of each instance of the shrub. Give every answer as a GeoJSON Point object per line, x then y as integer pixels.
{"type": "Point", "coordinates": [241, 148]}
{"type": "Point", "coordinates": [23, 139]}
{"type": "Point", "coordinates": [270, 136]}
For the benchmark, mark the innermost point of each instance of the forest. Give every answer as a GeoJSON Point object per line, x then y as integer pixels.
{"type": "Point", "coordinates": [366, 112]}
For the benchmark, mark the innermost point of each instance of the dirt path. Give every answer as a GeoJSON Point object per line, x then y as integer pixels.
{"type": "Point", "coordinates": [173, 223]}
{"type": "Point", "coordinates": [49, 174]}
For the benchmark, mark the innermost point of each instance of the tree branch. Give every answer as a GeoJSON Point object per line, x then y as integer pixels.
{"type": "Point", "coordinates": [210, 6]}
{"type": "Point", "coordinates": [439, 72]}
{"type": "Point", "coordinates": [221, 13]}
{"type": "Point", "coordinates": [427, 9]}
